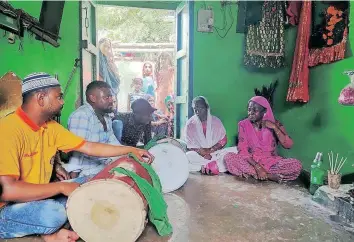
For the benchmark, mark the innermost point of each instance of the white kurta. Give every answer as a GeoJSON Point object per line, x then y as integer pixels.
{"type": "Point", "coordinates": [196, 161]}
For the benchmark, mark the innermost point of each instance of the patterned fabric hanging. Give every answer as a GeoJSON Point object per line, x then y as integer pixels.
{"type": "Point", "coordinates": [329, 36]}
{"type": "Point", "coordinates": [326, 43]}
{"type": "Point", "coordinates": [265, 41]}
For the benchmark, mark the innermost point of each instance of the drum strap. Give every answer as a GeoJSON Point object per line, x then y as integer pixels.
{"type": "Point", "coordinates": [156, 183]}
{"type": "Point", "coordinates": [157, 205]}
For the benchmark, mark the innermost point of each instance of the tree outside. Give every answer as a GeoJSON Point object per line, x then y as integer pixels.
{"type": "Point", "coordinates": [135, 25]}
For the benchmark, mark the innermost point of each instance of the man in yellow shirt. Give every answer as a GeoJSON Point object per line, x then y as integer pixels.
{"type": "Point", "coordinates": [29, 141]}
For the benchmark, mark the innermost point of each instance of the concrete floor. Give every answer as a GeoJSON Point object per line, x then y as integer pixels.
{"type": "Point", "coordinates": [223, 208]}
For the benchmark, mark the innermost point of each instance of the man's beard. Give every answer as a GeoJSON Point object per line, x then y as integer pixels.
{"type": "Point", "coordinates": [56, 114]}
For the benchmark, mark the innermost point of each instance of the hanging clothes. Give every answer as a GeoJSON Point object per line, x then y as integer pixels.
{"type": "Point", "coordinates": [329, 36]}
{"type": "Point", "coordinates": [265, 41]}
{"type": "Point", "coordinates": [299, 77]}
{"type": "Point", "coordinates": [249, 13]}
{"type": "Point", "coordinates": [293, 11]}
{"type": "Point", "coordinates": [326, 43]}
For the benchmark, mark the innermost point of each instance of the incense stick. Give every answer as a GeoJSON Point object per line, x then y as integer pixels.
{"type": "Point", "coordinates": [340, 167]}
{"type": "Point", "coordinates": [335, 164]}
{"type": "Point", "coordinates": [330, 163]}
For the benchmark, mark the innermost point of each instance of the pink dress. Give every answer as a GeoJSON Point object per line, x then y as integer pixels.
{"type": "Point", "coordinates": [260, 145]}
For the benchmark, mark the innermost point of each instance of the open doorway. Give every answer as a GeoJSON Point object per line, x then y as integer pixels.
{"type": "Point", "coordinates": [148, 50]}
{"type": "Point", "coordinates": [136, 55]}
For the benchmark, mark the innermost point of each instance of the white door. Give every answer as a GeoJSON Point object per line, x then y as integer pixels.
{"type": "Point", "coordinates": [183, 87]}
{"type": "Point", "coordinates": [89, 48]}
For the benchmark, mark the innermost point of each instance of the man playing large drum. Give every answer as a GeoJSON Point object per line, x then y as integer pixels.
{"type": "Point", "coordinates": [28, 144]}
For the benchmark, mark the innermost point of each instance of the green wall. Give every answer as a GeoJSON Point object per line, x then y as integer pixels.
{"type": "Point", "coordinates": [38, 57]}
{"type": "Point", "coordinates": [320, 125]}
{"type": "Point", "coordinates": [219, 74]}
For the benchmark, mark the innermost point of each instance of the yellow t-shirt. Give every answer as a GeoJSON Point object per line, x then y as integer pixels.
{"type": "Point", "coordinates": [27, 151]}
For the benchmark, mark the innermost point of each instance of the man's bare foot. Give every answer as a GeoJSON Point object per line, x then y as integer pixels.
{"type": "Point", "coordinates": [62, 235]}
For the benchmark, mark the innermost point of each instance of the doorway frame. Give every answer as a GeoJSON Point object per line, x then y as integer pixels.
{"type": "Point", "coordinates": [190, 54]}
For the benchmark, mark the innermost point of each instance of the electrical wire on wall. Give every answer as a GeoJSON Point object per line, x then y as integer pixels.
{"type": "Point", "coordinates": [223, 10]}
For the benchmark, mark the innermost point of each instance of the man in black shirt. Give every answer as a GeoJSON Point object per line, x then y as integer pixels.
{"type": "Point", "coordinates": [136, 124]}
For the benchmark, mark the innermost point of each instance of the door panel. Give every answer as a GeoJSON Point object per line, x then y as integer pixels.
{"type": "Point", "coordinates": [89, 50]}
{"type": "Point", "coordinates": [183, 93]}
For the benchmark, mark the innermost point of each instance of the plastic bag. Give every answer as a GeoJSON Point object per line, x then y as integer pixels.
{"type": "Point", "coordinates": [346, 96]}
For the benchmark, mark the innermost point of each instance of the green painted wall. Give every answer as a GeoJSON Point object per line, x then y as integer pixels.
{"type": "Point", "coordinates": [38, 57]}
{"type": "Point", "coordinates": [320, 125]}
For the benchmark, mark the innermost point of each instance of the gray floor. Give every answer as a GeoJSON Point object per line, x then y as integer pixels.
{"type": "Point", "coordinates": [223, 208]}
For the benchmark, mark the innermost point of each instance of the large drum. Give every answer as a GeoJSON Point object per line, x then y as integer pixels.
{"type": "Point", "coordinates": [174, 142]}
{"type": "Point", "coordinates": [110, 207]}
{"type": "Point", "coordinates": [170, 164]}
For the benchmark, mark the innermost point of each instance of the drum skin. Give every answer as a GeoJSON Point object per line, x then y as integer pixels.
{"type": "Point", "coordinates": [110, 207]}
{"type": "Point", "coordinates": [171, 165]}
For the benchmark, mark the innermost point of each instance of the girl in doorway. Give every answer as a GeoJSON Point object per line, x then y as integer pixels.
{"type": "Point", "coordinates": [137, 91]}
{"type": "Point", "coordinates": [149, 84]}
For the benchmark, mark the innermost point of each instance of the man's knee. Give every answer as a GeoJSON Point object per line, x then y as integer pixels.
{"type": "Point", "coordinates": [53, 215]}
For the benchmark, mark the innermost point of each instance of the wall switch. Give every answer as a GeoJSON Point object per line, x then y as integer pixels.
{"type": "Point", "coordinates": [205, 20]}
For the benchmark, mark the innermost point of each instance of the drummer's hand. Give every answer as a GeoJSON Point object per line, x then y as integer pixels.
{"type": "Point", "coordinates": [74, 174]}
{"type": "Point", "coordinates": [143, 155]}
{"type": "Point", "coordinates": [61, 173]}
{"type": "Point", "coordinates": [68, 187]}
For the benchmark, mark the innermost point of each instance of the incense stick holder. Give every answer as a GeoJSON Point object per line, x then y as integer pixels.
{"type": "Point", "coordinates": [334, 180]}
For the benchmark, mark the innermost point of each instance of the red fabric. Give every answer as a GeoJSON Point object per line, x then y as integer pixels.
{"type": "Point", "coordinates": [330, 54]}
{"type": "Point", "coordinates": [293, 11]}
{"type": "Point", "coordinates": [299, 79]}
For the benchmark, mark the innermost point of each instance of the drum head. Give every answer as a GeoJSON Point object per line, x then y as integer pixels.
{"type": "Point", "coordinates": [106, 210]}
{"type": "Point", "coordinates": [171, 165]}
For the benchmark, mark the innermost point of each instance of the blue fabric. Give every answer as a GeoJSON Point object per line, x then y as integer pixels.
{"type": "Point", "coordinates": [108, 75]}
{"type": "Point", "coordinates": [118, 129]}
{"type": "Point", "coordinates": [38, 217]}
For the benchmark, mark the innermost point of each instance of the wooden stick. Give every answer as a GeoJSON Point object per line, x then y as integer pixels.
{"type": "Point", "coordinates": [335, 164]}
{"type": "Point", "coordinates": [339, 163]}
{"type": "Point", "coordinates": [330, 163]}
{"type": "Point", "coordinates": [340, 167]}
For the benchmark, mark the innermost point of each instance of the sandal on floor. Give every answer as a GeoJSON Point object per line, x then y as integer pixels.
{"type": "Point", "coordinates": [210, 169]}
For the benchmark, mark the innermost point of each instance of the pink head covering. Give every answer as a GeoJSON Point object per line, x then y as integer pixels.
{"type": "Point", "coordinates": [264, 103]}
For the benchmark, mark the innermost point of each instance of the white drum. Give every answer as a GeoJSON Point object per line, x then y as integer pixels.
{"type": "Point", "coordinates": [107, 211]}
{"type": "Point", "coordinates": [171, 165]}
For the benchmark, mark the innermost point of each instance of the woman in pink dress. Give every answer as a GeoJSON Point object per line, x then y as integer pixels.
{"type": "Point", "coordinates": [259, 135]}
